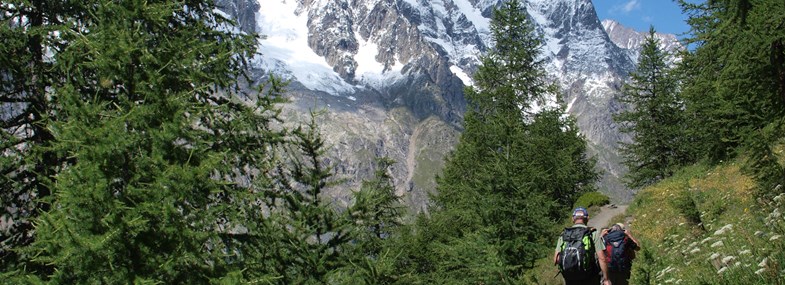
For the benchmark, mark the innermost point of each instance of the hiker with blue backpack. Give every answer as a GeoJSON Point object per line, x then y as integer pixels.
{"type": "Point", "coordinates": [580, 253]}
{"type": "Point", "coordinates": [620, 247]}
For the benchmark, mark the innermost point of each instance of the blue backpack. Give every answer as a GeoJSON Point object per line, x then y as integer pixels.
{"type": "Point", "coordinates": [617, 251]}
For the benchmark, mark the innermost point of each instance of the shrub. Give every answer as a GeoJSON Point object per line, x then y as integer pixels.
{"type": "Point", "coordinates": [590, 199]}
{"type": "Point", "coordinates": [685, 204]}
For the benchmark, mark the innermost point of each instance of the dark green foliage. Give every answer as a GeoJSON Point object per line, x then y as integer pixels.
{"type": "Point", "coordinates": [167, 167]}
{"type": "Point", "coordinates": [511, 174]}
{"type": "Point", "coordinates": [734, 82]}
{"type": "Point", "coordinates": [311, 235]}
{"type": "Point", "coordinates": [654, 119]}
{"type": "Point", "coordinates": [685, 204]}
{"type": "Point", "coordinates": [590, 199]}
{"type": "Point", "coordinates": [647, 268]}
{"type": "Point", "coordinates": [159, 146]}
{"type": "Point", "coordinates": [377, 209]}
{"type": "Point", "coordinates": [560, 153]}
{"type": "Point", "coordinates": [376, 216]}
{"type": "Point", "coordinates": [27, 163]}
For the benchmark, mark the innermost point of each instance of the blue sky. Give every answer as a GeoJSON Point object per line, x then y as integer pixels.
{"type": "Point", "coordinates": [665, 15]}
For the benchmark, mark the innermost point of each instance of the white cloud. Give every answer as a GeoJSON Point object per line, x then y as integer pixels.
{"type": "Point", "coordinates": [632, 5]}
{"type": "Point", "coordinates": [626, 7]}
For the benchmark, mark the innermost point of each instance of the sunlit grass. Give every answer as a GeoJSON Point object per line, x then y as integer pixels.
{"type": "Point", "coordinates": [725, 242]}
{"type": "Point", "coordinates": [702, 226]}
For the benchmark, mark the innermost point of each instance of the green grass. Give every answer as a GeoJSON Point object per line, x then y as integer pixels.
{"type": "Point", "coordinates": [703, 226]}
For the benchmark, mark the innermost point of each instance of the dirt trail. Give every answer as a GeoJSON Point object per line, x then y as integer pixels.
{"type": "Point", "coordinates": [601, 219]}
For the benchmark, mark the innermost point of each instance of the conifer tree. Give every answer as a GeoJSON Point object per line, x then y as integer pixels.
{"type": "Point", "coordinates": [376, 214]}
{"type": "Point", "coordinates": [163, 144]}
{"type": "Point", "coordinates": [27, 164]}
{"type": "Point", "coordinates": [377, 209]}
{"type": "Point", "coordinates": [312, 237]}
{"type": "Point", "coordinates": [654, 118]}
{"type": "Point", "coordinates": [498, 193]}
{"type": "Point", "coordinates": [734, 79]}
{"type": "Point", "coordinates": [170, 167]}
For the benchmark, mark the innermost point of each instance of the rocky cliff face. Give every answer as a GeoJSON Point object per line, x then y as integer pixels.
{"type": "Point", "coordinates": [390, 74]}
{"type": "Point", "coordinates": [631, 40]}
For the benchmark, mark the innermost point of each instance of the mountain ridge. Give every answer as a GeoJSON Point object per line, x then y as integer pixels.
{"type": "Point", "coordinates": [349, 56]}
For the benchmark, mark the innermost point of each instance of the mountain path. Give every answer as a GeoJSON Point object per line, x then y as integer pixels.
{"type": "Point", "coordinates": [607, 212]}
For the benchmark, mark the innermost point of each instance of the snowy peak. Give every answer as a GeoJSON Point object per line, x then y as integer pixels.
{"type": "Point", "coordinates": [575, 41]}
{"type": "Point", "coordinates": [419, 54]}
{"type": "Point", "coordinates": [632, 40]}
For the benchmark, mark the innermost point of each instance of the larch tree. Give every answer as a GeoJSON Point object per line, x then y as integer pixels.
{"type": "Point", "coordinates": [499, 193]}
{"type": "Point", "coordinates": [161, 140]}
{"type": "Point", "coordinates": [734, 83]}
{"type": "Point", "coordinates": [654, 118]}
{"type": "Point", "coordinates": [28, 165]}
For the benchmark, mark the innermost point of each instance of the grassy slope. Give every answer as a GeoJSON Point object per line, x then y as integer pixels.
{"type": "Point", "coordinates": [703, 226]}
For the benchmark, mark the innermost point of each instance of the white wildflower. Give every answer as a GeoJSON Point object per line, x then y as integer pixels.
{"type": "Point", "coordinates": [706, 239]}
{"type": "Point", "coordinates": [760, 271]}
{"type": "Point", "coordinates": [774, 237]}
{"type": "Point", "coordinates": [763, 262]}
{"type": "Point", "coordinates": [695, 250]}
{"type": "Point", "coordinates": [665, 271]}
{"type": "Point", "coordinates": [746, 251]}
{"type": "Point", "coordinates": [728, 259]}
{"type": "Point", "coordinates": [669, 280]}
{"type": "Point", "coordinates": [681, 224]}
{"type": "Point", "coordinates": [780, 196]}
{"type": "Point", "coordinates": [718, 243]}
{"type": "Point", "coordinates": [714, 256]}
{"type": "Point", "coordinates": [723, 229]}
{"type": "Point", "coordinates": [758, 233]}
{"type": "Point", "coordinates": [722, 270]}
{"type": "Point", "coordinates": [775, 214]}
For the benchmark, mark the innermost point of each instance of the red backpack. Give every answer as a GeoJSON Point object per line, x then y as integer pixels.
{"type": "Point", "coordinates": [618, 249]}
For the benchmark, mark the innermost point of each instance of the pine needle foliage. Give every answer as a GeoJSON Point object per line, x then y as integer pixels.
{"type": "Point", "coordinates": [28, 166]}
{"type": "Point", "coordinates": [502, 187]}
{"type": "Point", "coordinates": [139, 151]}
{"type": "Point", "coordinates": [734, 83]}
{"type": "Point", "coordinates": [654, 119]}
{"type": "Point", "coordinates": [161, 140]}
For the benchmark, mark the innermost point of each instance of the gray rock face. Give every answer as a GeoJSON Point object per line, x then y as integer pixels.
{"type": "Point", "coordinates": [243, 11]}
{"type": "Point", "coordinates": [395, 72]}
{"type": "Point", "coordinates": [632, 40]}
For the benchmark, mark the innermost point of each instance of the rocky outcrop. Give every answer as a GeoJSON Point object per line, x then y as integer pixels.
{"type": "Point", "coordinates": [243, 11]}
{"type": "Point", "coordinates": [395, 73]}
{"type": "Point", "coordinates": [632, 40]}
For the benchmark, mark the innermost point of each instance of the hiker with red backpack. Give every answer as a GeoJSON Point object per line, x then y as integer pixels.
{"type": "Point", "coordinates": [620, 247]}
{"type": "Point", "coordinates": [580, 253]}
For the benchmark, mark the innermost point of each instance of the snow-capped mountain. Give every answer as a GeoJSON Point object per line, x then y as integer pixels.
{"type": "Point", "coordinates": [632, 40]}
{"type": "Point", "coordinates": [390, 74]}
